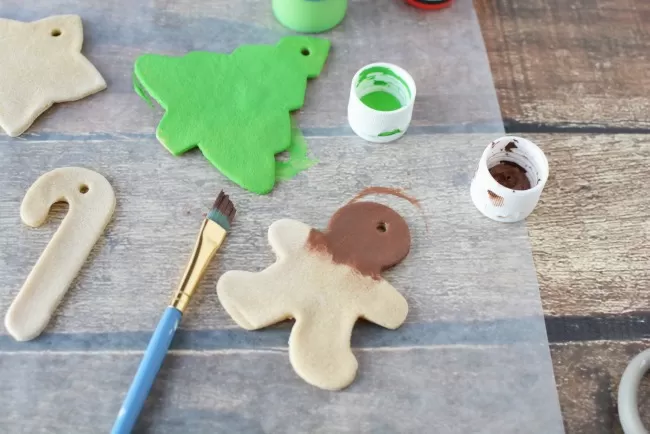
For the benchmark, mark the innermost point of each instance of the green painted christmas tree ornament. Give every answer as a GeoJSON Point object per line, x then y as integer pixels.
{"type": "Point", "coordinates": [234, 107]}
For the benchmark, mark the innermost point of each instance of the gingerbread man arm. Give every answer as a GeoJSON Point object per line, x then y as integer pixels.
{"type": "Point", "coordinates": [288, 236]}
{"type": "Point", "coordinates": [257, 300]}
{"type": "Point", "coordinates": [251, 301]}
{"type": "Point", "coordinates": [384, 306]}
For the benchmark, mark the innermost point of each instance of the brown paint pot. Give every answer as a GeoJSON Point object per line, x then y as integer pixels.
{"type": "Point", "coordinates": [509, 179]}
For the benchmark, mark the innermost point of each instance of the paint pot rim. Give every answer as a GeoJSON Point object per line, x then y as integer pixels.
{"type": "Point", "coordinates": [398, 70]}
{"type": "Point", "coordinates": [539, 154]}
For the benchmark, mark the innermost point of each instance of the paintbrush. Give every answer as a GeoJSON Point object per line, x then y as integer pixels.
{"type": "Point", "coordinates": [213, 232]}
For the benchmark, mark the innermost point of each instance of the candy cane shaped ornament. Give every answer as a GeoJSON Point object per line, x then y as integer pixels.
{"type": "Point", "coordinates": [91, 203]}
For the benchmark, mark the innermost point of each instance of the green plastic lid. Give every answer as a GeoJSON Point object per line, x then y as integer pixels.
{"type": "Point", "coordinates": [310, 16]}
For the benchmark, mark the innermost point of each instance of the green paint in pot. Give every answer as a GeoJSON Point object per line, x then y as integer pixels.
{"type": "Point", "coordinates": [382, 89]}
{"type": "Point", "coordinates": [381, 101]}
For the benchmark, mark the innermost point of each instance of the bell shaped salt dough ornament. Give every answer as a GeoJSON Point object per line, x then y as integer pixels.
{"type": "Point", "coordinates": [325, 281]}
{"type": "Point", "coordinates": [42, 64]}
{"type": "Point", "coordinates": [234, 107]}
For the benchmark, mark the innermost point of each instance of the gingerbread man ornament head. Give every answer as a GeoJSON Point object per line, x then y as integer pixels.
{"type": "Point", "coordinates": [367, 236]}
{"type": "Point", "coordinates": [325, 281]}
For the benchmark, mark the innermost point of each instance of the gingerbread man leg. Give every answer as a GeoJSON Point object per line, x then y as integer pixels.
{"type": "Point", "coordinates": [319, 349]}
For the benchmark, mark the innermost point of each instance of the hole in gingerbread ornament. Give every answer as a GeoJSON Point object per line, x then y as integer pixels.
{"type": "Point", "coordinates": [381, 227]}
{"type": "Point", "coordinates": [56, 32]}
{"type": "Point", "coordinates": [83, 189]}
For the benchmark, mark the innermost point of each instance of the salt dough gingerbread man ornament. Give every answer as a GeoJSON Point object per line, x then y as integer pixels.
{"type": "Point", "coordinates": [326, 281]}
{"type": "Point", "coordinates": [42, 64]}
{"type": "Point", "coordinates": [234, 107]}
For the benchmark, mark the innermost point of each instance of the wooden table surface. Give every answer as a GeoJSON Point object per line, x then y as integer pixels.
{"type": "Point", "coordinates": [573, 76]}
{"type": "Point", "coordinates": [219, 377]}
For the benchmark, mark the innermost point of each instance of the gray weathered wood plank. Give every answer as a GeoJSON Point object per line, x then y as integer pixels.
{"type": "Point", "coordinates": [463, 267]}
{"type": "Point", "coordinates": [469, 281]}
{"type": "Point", "coordinates": [257, 392]}
{"type": "Point", "coordinates": [475, 321]}
{"type": "Point", "coordinates": [591, 231]}
{"type": "Point", "coordinates": [453, 89]}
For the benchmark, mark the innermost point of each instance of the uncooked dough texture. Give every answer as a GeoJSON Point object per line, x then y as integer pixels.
{"type": "Point", "coordinates": [324, 297]}
{"type": "Point", "coordinates": [42, 64]}
{"type": "Point", "coordinates": [91, 202]}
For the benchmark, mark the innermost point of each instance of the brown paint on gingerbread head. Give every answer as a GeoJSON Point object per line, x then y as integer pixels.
{"type": "Point", "coordinates": [367, 236]}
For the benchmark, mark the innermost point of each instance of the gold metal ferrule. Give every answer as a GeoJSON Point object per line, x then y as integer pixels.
{"type": "Point", "coordinates": [208, 242]}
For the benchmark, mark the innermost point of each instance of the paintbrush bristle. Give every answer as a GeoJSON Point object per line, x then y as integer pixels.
{"type": "Point", "coordinates": [223, 211]}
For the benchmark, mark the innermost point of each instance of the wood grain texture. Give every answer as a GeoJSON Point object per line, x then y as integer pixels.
{"type": "Point", "coordinates": [462, 266]}
{"type": "Point", "coordinates": [588, 375]}
{"type": "Point", "coordinates": [570, 62]}
{"type": "Point", "coordinates": [455, 389]}
{"type": "Point", "coordinates": [470, 284]}
{"type": "Point", "coordinates": [454, 91]}
{"type": "Point", "coordinates": [591, 232]}
{"type": "Point", "coordinates": [475, 320]}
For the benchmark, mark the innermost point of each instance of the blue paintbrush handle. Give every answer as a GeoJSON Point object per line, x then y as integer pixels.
{"type": "Point", "coordinates": [147, 371]}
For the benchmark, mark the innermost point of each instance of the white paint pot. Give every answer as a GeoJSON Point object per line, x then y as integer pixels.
{"type": "Point", "coordinates": [509, 179]}
{"type": "Point", "coordinates": [381, 102]}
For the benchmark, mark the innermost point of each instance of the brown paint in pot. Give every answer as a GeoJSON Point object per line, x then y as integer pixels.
{"type": "Point", "coordinates": [367, 236]}
{"type": "Point", "coordinates": [510, 175]}
{"type": "Point", "coordinates": [510, 178]}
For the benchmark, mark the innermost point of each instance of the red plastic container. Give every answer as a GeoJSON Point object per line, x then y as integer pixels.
{"type": "Point", "coordinates": [430, 4]}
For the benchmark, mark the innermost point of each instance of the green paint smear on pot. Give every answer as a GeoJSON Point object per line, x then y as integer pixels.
{"type": "Point", "coordinates": [390, 133]}
{"type": "Point", "coordinates": [298, 160]}
{"type": "Point", "coordinates": [382, 101]}
{"type": "Point", "coordinates": [366, 73]}
{"type": "Point", "coordinates": [234, 107]}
